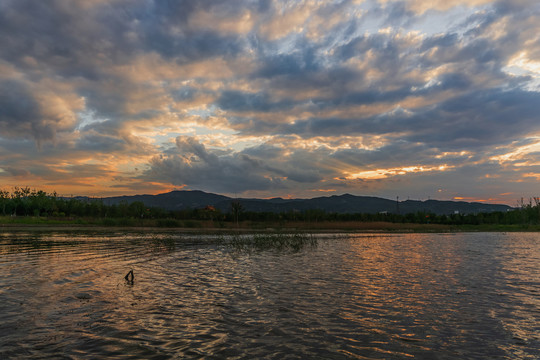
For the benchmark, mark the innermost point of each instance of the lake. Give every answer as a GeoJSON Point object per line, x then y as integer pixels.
{"type": "Point", "coordinates": [339, 296]}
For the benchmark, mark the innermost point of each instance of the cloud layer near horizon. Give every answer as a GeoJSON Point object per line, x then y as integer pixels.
{"type": "Point", "coordinates": [263, 98]}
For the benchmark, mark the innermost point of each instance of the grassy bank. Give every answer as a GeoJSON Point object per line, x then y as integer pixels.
{"type": "Point", "coordinates": [29, 222]}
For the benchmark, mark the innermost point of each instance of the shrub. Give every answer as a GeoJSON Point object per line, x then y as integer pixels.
{"type": "Point", "coordinates": [168, 223]}
{"type": "Point", "coordinates": [108, 222]}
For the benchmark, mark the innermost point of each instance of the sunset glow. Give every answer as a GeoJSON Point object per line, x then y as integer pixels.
{"type": "Point", "coordinates": [272, 98]}
{"type": "Point", "coordinates": [384, 173]}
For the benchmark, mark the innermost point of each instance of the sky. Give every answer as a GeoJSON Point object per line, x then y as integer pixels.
{"type": "Point", "coordinates": [413, 99]}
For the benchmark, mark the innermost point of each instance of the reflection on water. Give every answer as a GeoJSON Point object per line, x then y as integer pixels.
{"type": "Point", "coordinates": [473, 296]}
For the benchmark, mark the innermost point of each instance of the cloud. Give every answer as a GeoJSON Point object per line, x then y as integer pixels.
{"type": "Point", "coordinates": [468, 122]}
{"type": "Point", "coordinates": [19, 109]}
{"type": "Point", "coordinates": [263, 167]}
{"type": "Point", "coordinates": [420, 6]}
{"type": "Point", "coordinates": [16, 172]}
{"type": "Point", "coordinates": [268, 97]}
{"type": "Point", "coordinates": [196, 167]}
{"type": "Point", "coordinates": [238, 101]}
{"type": "Point", "coordinates": [26, 112]}
{"type": "Point", "coordinates": [477, 120]}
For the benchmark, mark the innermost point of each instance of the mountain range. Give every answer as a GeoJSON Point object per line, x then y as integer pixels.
{"type": "Point", "coordinates": [195, 199]}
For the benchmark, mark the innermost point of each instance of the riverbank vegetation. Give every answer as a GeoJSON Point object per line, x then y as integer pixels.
{"type": "Point", "coordinates": [25, 206]}
{"type": "Point", "coordinates": [293, 242]}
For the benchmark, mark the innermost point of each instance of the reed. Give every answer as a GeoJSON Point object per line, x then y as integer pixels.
{"type": "Point", "coordinates": [293, 242]}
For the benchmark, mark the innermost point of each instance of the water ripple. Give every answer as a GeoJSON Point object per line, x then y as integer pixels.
{"type": "Point", "coordinates": [445, 296]}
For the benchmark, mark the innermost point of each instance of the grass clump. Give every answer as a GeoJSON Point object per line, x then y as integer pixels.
{"type": "Point", "coordinates": [268, 242]}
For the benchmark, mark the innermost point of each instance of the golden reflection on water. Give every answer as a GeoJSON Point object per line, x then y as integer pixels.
{"type": "Point", "coordinates": [522, 280]}
{"type": "Point", "coordinates": [381, 263]}
{"type": "Point", "coordinates": [374, 296]}
{"type": "Point", "coordinates": [399, 280]}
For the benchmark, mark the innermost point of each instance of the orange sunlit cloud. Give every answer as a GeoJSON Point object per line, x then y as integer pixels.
{"type": "Point", "coordinates": [384, 173]}
{"type": "Point", "coordinates": [519, 152]}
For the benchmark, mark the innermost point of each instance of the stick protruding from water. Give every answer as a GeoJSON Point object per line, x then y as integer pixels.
{"type": "Point", "coordinates": [129, 276]}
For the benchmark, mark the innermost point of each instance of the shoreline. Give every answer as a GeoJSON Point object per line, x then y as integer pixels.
{"type": "Point", "coordinates": [326, 227]}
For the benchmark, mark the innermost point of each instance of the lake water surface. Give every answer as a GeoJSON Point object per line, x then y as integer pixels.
{"type": "Point", "coordinates": [384, 296]}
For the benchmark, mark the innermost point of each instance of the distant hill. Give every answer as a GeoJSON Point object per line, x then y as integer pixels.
{"type": "Point", "coordinates": [174, 200]}
{"type": "Point", "coordinates": [181, 200]}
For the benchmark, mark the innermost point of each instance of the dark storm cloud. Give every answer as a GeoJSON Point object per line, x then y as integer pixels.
{"type": "Point", "coordinates": [479, 119]}
{"type": "Point", "coordinates": [191, 46]}
{"type": "Point", "coordinates": [518, 23]}
{"type": "Point", "coordinates": [185, 93]}
{"type": "Point", "coordinates": [474, 118]}
{"type": "Point", "coordinates": [371, 96]}
{"type": "Point", "coordinates": [56, 35]}
{"type": "Point", "coordinates": [394, 13]}
{"type": "Point", "coordinates": [450, 81]}
{"type": "Point", "coordinates": [21, 115]}
{"type": "Point", "coordinates": [239, 101]}
{"type": "Point", "coordinates": [259, 168]}
{"type": "Point", "coordinates": [266, 151]}
{"type": "Point", "coordinates": [288, 64]}
{"type": "Point", "coordinates": [358, 46]}
{"type": "Point", "coordinates": [19, 111]}
{"type": "Point", "coordinates": [100, 143]}
{"type": "Point", "coordinates": [106, 104]}
{"type": "Point", "coordinates": [385, 47]}
{"type": "Point", "coordinates": [164, 28]}
{"type": "Point", "coordinates": [391, 155]}
{"type": "Point", "coordinates": [471, 121]}
{"type": "Point", "coordinates": [335, 81]}
{"type": "Point", "coordinates": [39, 19]}
{"type": "Point", "coordinates": [440, 41]}
{"type": "Point", "coordinates": [16, 171]}
{"type": "Point", "coordinates": [56, 38]}
{"type": "Point", "coordinates": [193, 165]}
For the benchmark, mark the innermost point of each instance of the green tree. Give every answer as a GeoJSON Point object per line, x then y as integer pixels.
{"type": "Point", "coordinates": [236, 209]}
{"type": "Point", "coordinates": [136, 209]}
{"type": "Point", "coordinates": [4, 199]}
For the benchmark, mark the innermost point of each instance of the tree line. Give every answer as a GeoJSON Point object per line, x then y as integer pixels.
{"type": "Point", "coordinates": [23, 201]}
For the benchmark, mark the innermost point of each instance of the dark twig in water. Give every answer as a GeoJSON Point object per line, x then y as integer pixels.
{"type": "Point", "coordinates": [129, 276]}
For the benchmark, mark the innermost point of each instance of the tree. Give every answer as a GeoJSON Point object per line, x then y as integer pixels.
{"type": "Point", "coordinates": [4, 198]}
{"type": "Point", "coordinates": [236, 209]}
{"type": "Point", "coordinates": [136, 209]}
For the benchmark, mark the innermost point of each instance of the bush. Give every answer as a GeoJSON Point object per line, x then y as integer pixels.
{"type": "Point", "coordinates": [168, 223]}
{"type": "Point", "coordinates": [126, 222]}
{"type": "Point", "coordinates": [108, 222]}
{"type": "Point", "coordinates": [192, 224]}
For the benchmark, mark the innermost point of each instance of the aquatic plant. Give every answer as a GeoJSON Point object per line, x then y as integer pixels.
{"type": "Point", "coordinates": [160, 242]}
{"type": "Point", "coordinates": [264, 242]}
